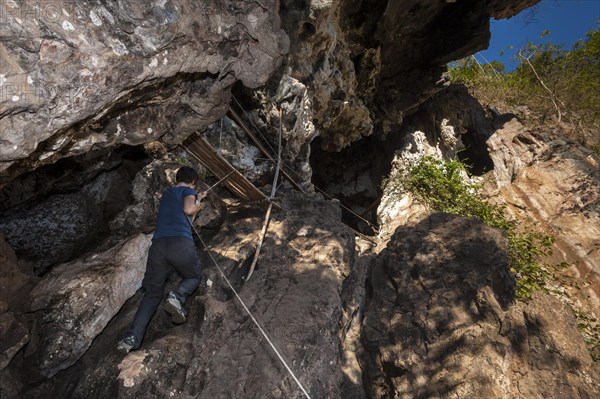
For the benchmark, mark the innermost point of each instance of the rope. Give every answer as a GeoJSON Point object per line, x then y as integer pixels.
{"type": "Point", "coordinates": [297, 175]}
{"type": "Point", "coordinates": [252, 123]}
{"type": "Point", "coordinates": [250, 314]}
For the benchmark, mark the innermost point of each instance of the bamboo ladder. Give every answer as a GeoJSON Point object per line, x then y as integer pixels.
{"type": "Point", "coordinates": [204, 152]}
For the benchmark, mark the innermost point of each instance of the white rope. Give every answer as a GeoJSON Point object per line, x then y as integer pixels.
{"type": "Point", "coordinates": [290, 169]}
{"type": "Point", "coordinates": [250, 314]}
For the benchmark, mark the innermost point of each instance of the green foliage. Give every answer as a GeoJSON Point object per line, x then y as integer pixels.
{"type": "Point", "coordinates": [548, 74]}
{"type": "Point", "coordinates": [443, 188]}
{"type": "Point", "coordinates": [590, 329]}
{"type": "Point", "coordinates": [525, 251]}
{"type": "Point", "coordinates": [572, 77]}
{"type": "Point", "coordinates": [181, 160]}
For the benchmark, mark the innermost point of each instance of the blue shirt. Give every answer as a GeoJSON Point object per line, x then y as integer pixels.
{"type": "Point", "coordinates": [172, 221]}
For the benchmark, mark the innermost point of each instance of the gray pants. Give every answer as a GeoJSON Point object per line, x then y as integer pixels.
{"type": "Point", "coordinates": [165, 255]}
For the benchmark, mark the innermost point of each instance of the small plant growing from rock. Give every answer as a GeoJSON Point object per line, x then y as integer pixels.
{"type": "Point", "coordinates": [442, 186]}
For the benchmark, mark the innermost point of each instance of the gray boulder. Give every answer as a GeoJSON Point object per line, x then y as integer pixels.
{"type": "Point", "coordinates": [76, 300]}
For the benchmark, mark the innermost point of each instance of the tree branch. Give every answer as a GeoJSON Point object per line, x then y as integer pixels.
{"type": "Point", "coordinates": [552, 97]}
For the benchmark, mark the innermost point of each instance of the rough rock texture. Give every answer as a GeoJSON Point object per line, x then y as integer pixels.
{"type": "Point", "coordinates": [64, 225]}
{"type": "Point", "coordinates": [13, 282]}
{"type": "Point", "coordinates": [440, 319]}
{"type": "Point", "coordinates": [556, 183]}
{"type": "Point", "coordinates": [76, 300]}
{"type": "Point", "coordinates": [367, 64]}
{"type": "Point", "coordinates": [451, 121]}
{"type": "Point", "coordinates": [228, 139]}
{"type": "Point", "coordinates": [14, 335]}
{"type": "Point", "coordinates": [295, 113]}
{"type": "Point", "coordinates": [361, 67]}
{"type": "Point", "coordinates": [12, 278]}
{"type": "Point", "coordinates": [77, 77]}
{"type": "Point", "coordinates": [297, 294]}
{"type": "Point", "coordinates": [441, 322]}
{"type": "Point", "coordinates": [320, 58]}
{"type": "Point", "coordinates": [538, 172]}
{"type": "Point", "coordinates": [67, 175]}
{"type": "Point", "coordinates": [541, 175]}
{"type": "Point", "coordinates": [512, 148]}
{"type": "Point", "coordinates": [302, 293]}
{"type": "Point", "coordinates": [451, 124]}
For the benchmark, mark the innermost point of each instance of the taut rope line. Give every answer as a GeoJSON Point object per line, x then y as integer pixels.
{"type": "Point", "coordinates": [250, 314]}
{"type": "Point", "coordinates": [296, 173]}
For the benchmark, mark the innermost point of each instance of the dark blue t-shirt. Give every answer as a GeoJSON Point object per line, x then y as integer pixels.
{"type": "Point", "coordinates": [172, 221]}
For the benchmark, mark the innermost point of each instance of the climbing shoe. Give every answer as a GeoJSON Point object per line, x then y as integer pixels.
{"type": "Point", "coordinates": [175, 309]}
{"type": "Point", "coordinates": [127, 344]}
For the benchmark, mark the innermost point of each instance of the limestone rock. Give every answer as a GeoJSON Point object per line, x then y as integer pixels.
{"type": "Point", "coordinates": [76, 300]}
{"type": "Point", "coordinates": [77, 76]}
{"type": "Point", "coordinates": [13, 336]}
{"type": "Point", "coordinates": [512, 149]}
{"type": "Point", "coordinates": [442, 322]}
{"type": "Point", "coordinates": [295, 112]}
{"type": "Point", "coordinates": [64, 225]}
{"type": "Point", "coordinates": [450, 123]}
{"type": "Point", "coordinates": [300, 293]}
{"type": "Point", "coordinates": [228, 139]}
{"type": "Point", "coordinates": [367, 66]}
{"type": "Point", "coordinates": [12, 279]}
{"type": "Point", "coordinates": [320, 59]}
{"type": "Point", "coordinates": [13, 332]}
{"type": "Point", "coordinates": [556, 183]}
{"type": "Point", "coordinates": [61, 176]}
{"type": "Point", "coordinates": [544, 333]}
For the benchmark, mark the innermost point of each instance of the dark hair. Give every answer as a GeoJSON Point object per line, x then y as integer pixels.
{"type": "Point", "coordinates": [185, 174]}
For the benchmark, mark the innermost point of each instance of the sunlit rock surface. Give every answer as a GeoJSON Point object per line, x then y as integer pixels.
{"type": "Point", "coordinates": [302, 294]}
{"type": "Point", "coordinates": [76, 300]}
{"type": "Point", "coordinates": [424, 309]}
{"type": "Point", "coordinates": [443, 321]}
{"type": "Point", "coordinates": [555, 182]}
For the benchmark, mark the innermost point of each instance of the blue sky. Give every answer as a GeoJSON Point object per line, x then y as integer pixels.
{"type": "Point", "coordinates": [567, 21]}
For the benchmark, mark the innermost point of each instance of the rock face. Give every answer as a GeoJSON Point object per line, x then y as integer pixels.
{"type": "Point", "coordinates": [301, 293]}
{"type": "Point", "coordinates": [451, 124]}
{"type": "Point", "coordinates": [13, 282]}
{"type": "Point", "coordinates": [442, 322]}
{"type": "Point", "coordinates": [358, 68]}
{"type": "Point", "coordinates": [76, 300]}
{"type": "Point", "coordinates": [555, 182]}
{"type": "Point", "coordinates": [437, 318]}
{"type": "Point", "coordinates": [537, 172]}
{"type": "Point", "coordinates": [63, 225]}
{"type": "Point", "coordinates": [77, 77]}
{"type": "Point", "coordinates": [426, 309]}
{"type": "Point", "coordinates": [367, 64]}
{"type": "Point", "coordinates": [231, 143]}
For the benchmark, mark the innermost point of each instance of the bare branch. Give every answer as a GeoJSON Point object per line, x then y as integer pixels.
{"type": "Point", "coordinates": [552, 97]}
